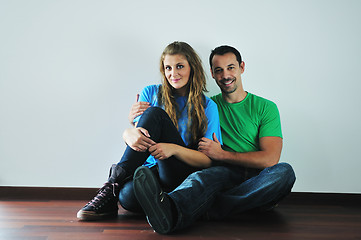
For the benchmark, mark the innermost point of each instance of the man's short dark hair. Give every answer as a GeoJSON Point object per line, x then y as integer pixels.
{"type": "Point", "coordinates": [221, 50]}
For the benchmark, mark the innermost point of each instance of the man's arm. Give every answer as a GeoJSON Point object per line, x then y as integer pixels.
{"type": "Point", "coordinates": [269, 154]}
{"type": "Point", "coordinates": [137, 109]}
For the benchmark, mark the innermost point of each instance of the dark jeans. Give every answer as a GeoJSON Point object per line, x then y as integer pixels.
{"type": "Point", "coordinates": [171, 172]}
{"type": "Point", "coordinates": [220, 191]}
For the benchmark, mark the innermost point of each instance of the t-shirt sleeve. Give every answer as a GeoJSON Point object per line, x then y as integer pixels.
{"type": "Point", "coordinates": [211, 112]}
{"type": "Point", "coordinates": [271, 122]}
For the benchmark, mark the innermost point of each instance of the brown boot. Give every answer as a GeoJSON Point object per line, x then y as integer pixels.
{"type": "Point", "coordinates": [105, 204]}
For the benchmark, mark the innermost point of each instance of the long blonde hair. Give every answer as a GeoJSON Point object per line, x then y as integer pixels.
{"type": "Point", "coordinates": [196, 86]}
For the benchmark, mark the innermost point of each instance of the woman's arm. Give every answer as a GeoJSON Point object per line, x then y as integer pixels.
{"type": "Point", "coordinates": [162, 151]}
{"type": "Point", "coordinates": [138, 139]}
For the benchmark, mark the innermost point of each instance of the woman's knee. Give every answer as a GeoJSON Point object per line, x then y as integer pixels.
{"type": "Point", "coordinates": [153, 116]}
{"type": "Point", "coordinates": [156, 111]}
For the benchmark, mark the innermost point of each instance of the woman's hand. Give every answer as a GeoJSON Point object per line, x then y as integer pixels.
{"type": "Point", "coordinates": [138, 139]}
{"type": "Point", "coordinates": [137, 109]}
{"type": "Point", "coordinates": [163, 151]}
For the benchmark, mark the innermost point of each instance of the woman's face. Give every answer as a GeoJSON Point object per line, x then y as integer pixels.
{"type": "Point", "coordinates": [177, 71]}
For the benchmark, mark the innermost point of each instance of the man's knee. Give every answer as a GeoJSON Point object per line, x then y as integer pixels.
{"type": "Point", "coordinates": [285, 174]}
{"type": "Point", "coordinates": [288, 171]}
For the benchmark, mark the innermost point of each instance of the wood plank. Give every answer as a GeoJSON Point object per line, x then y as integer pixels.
{"type": "Point", "coordinates": [54, 220]}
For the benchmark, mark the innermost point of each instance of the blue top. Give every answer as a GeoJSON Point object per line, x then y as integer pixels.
{"type": "Point", "coordinates": [150, 94]}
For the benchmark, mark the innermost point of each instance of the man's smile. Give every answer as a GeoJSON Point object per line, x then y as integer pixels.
{"type": "Point", "coordinates": [227, 82]}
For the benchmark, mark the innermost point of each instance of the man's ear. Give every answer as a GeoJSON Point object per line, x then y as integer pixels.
{"type": "Point", "coordinates": [242, 66]}
{"type": "Point", "coordinates": [212, 72]}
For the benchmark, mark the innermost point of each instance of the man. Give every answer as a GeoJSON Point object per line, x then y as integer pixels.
{"type": "Point", "coordinates": [246, 173]}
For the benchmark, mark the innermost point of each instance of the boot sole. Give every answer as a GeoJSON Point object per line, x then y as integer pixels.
{"type": "Point", "coordinates": [148, 191]}
{"type": "Point", "coordinates": [92, 216]}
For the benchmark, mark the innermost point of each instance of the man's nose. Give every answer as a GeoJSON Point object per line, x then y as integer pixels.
{"type": "Point", "coordinates": [229, 74]}
{"type": "Point", "coordinates": [225, 74]}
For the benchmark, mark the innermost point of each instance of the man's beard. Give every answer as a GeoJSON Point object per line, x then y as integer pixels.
{"type": "Point", "coordinates": [226, 89]}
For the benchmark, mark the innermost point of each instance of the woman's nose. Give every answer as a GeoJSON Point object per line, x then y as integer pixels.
{"type": "Point", "coordinates": [174, 72]}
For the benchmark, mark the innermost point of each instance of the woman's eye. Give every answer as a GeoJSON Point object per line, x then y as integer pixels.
{"type": "Point", "coordinates": [180, 66]}
{"type": "Point", "coordinates": [168, 68]}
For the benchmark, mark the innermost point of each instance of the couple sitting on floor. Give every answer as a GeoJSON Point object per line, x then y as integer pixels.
{"type": "Point", "coordinates": [190, 156]}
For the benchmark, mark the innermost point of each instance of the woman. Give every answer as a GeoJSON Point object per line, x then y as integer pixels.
{"type": "Point", "coordinates": [169, 131]}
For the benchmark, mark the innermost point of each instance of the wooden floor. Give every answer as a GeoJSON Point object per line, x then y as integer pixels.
{"type": "Point", "coordinates": [56, 220]}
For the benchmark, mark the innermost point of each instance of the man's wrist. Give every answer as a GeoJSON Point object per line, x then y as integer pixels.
{"type": "Point", "coordinates": [223, 155]}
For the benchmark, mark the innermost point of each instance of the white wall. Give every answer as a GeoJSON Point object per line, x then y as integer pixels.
{"type": "Point", "coordinates": [70, 70]}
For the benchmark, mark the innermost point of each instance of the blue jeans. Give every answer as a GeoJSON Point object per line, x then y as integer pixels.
{"type": "Point", "coordinates": [171, 171]}
{"type": "Point", "coordinates": [222, 191]}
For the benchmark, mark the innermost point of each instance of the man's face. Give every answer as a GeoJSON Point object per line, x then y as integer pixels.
{"type": "Point", "coordinates": [227, 72]}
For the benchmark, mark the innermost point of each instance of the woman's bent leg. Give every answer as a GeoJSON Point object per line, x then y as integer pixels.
{"type": "Point", "coordinates": [105, 203]}
{"type": "Point", "coordinates": [161, 129]}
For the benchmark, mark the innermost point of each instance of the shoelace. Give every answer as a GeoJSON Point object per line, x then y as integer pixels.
{"type": "Point", "coordinates": [103, 193]}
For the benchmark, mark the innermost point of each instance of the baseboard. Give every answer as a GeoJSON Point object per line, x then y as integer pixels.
{"type": "Point", "coordinates": [46, 193]}
{"type": "Point", "coordinates": [311, 198]}
{"type": "Point", "coordinates": [57, 193]}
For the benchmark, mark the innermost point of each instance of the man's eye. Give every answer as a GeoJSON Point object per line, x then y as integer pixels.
{"type": "Point", "coordinates": [217, 70]}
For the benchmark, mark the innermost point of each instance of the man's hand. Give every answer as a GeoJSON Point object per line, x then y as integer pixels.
{"type": "Point", "coordinates": [137, 109]}
{"type": "Point", "coordinates": [138, 139]}
{"type": "Point", "coordinates": [212, 149]}
{"type": "Point", "coordinates": [163, 151]}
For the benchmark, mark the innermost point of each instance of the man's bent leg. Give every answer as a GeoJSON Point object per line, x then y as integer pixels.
{"type": "Point", "coordinates": [267, 188]}
{"type": "Point", "coordinates": [197, 193]}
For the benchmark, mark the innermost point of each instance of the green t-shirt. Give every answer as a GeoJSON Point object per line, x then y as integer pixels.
{"type": "Point", "coordinates": [244, 123]}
